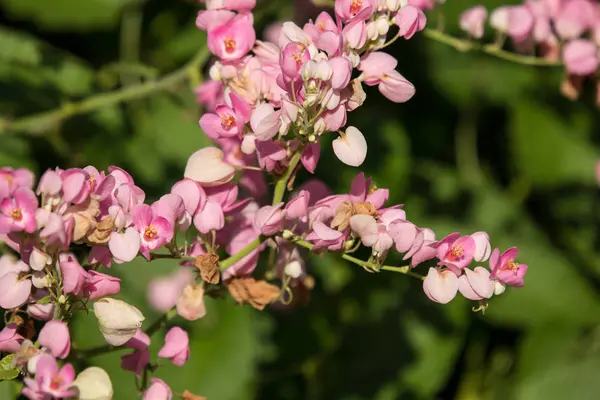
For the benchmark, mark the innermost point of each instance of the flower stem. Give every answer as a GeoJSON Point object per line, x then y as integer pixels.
{"type": "Point", "coordinates": [228, 262]}
{"type": "Point", "coordinates": [282, 182]}
{"type": "Point", "coordinates": [491, 49]}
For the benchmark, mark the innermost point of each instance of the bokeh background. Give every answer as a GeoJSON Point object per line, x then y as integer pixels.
{"type": "Point", "coordinates": [484, 145]}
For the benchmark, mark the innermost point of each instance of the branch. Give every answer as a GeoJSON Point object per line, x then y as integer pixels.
{"type": "Point", "coordinates": [491, 49]}
{"type": "Point", "coordinates": [36, 124]}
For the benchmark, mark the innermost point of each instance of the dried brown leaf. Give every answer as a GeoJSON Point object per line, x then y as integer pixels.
{"type": "Point", "coordinates": [208, 264]}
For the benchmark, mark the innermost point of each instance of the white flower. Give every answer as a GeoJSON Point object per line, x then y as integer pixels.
{"type": "Point", "coordinates": [118, 321]}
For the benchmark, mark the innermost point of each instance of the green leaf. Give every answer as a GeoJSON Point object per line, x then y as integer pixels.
{"type": "Point", "coordinates": [551, 149]}
{"type": "Point", "coordinates": [7, 370]}
{"type": "Point", "coordinates": [75, 15]}
{"type": "Point", "coordinates": [44, 300]}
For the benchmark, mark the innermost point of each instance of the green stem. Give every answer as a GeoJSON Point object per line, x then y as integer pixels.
{"type": "Point", "coordinates": [228, 262]}
{"type": "Point", "coordinates": [491, 49]}
{"type": "Point", "coordinates": [403, 270]}
{"type": "Point", "coordinates": [282, 182]}
{"type": "Point", "coordinates": [38, 123]}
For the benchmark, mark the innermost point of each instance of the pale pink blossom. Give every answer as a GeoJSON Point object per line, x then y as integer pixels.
{"type": "Point", "coordinates": [164, 292]}
{"type": "Point", "coordinates": [351, 147]}
{"type": "Point", "coordinates": [483, 248]}
{"type": "Point", "coordinates": [55, 337]}
{"type": "Point", "coordinates": [190, 305]}
{"type": "Point", "coordinates": [206, 166]}
{"type": "Point", "coordinates": [232, 40]}
{"type": "Point", "coordinates": [136, 361]}
{"type": "Point", "coordinates": [14, 290]}
{"type": "Point", "coordinates": [74, 275]}
{"type": "Point", "coordinates": [516, 21]}
{"type": "Point", "coordinates": [476, 284]}
{"type": "Point", "coordinates": [505, 269]}
{"type": "Point", "coordinates": [10, 340]}
{"type": "Point", "coordinates": [574, 18]}
{"type": "Point", "coordinates": [265, 122]}
{"type": "Point", "coordinates": [155, 231]}
{"type": "Point", "coordinates": [177, 346]}
{"type": "Point", "coordinates": [410, 20]}
{"type": "Point", "coordinates": [472, 21]}
{"type": "Point", "coordinates": [456, 253]}
{"type": "Point", "coordinates": [124, 246]}
{"type": "Point", "coordinates": [440, 286]}
{"type": "Point", "coordinates": [17, 213]}
{"type": "Point", "coordinates": [99, 285]}
{"type": "Point", "coordinates": [269, 220]}
{"type": "Point", "coordinates": [349, 10]}
{"type": "Point", "coordinates": [158, 390]}
{"type": "Point", "coordinates": [50, 381]}
{"type": "Point", "coordinates": [581, 57]}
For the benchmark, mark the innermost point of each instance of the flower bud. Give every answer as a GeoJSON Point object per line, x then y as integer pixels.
{"type": "Point", "coordinates": [191, 303]}
{"type": "Point", "coordinates": [94, 384]}
{"type": "Point", "coordinates": [269, 220]}
{"type": "Point", "coordinates": [55, 337]}
{"type": "Point", "coordinates": [117, 320]}
{"type": "Point", "coordinates": [293, 269]}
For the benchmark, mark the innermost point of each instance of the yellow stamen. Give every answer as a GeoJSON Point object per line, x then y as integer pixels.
{"type": "Point", "coordinates": [150, 232]}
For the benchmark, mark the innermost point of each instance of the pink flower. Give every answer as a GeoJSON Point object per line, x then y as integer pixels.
{"type": "Point", "coordinates": [355, 34]}
{"type": "Point", "coordinates": [99, 285]}
{"type": "Point", "coordinates": [440, 285]}
{"type": "Point", "coordinates": [193, 195]}
{"type": "Point", "coordinates": [581, 57]}
{"type": "Point", "coordinates": [228, 121]}
{"type": "Point", "coordinates": [136, 361]}
{"type": "Point", "coordinates": [476, 284]}
{"type": "Point", "coordinates": [375, 65]}
{"type": "Point", "coordinates": [49, 380]}
{"type": "Point", "coordinates": [505, 269]}
{"type": "Point", "coordinates": [50, 184]}
{"type": "Point", "coordinates": [396, 88]}
{"type": "Point", "coordinates": [482, 246]}
{"type": "Point", "coordinates": [100, 255]}
{"type": "Point", "coordinates": [154, 231]}
{"type": "Point", "coordinates": [10, 340]}
{"type": "Point", "coordinates": [270, 153]}
{"type": "Point", "coordinates": [232, 40]}
{"type": "Point", "coordinates": [291, 59]}
{"type": "Point", "coordinates": [209, 94]}
{"type": "Point", "coordinates": [125, 246]}
{"type": "Point", "coordinates": [472, 21]}
{"type": "Point", "coordinates": [74, 276]}
{"type": "Point", "coordinates": [456, 254]}
{"type": "Point", "coordinates": [101, 185]}
{"type": "Point", "coordinates": [574, 18]}
{"type": "Point", "coordinates": [349, 10]}
{"type": "Point", "coordinates": [177, 346]}
{"type": "Point", "coordinates": [351, 147]}
{"type": "Point", "coordinates": [14, 290]}
{"type": "Point", "coordinates": [210, 218]}
{"type": "Point", "coordinates": [410, 20]}
{"type": "Point", "coordinates": [265, 122]}
{"type": "Point", "coordinates": [12, 179]}
{"type": "Point", "coordinates": [324, 237]}
{"type": "Point", "coordinates": [269, 220]}
{"type": "Point", "coordinates": [18, 213]}
{"type": "Point", "coordinates": [371, 233]}
{"type": "Point", "coordinates": [190, 305]}
{"type": "Point", "coordinates": [516, 21]}
{"type": "Point", "coordinates": [171, 207]}
{"type": "Point", "coordinates": [164, 292]}
{"type": "Point", "coordinates": [206, 166]}
{"type": "Point", "coordinates": [75, 187]}
{"type": "Point", "coordinates": [310, 156]}
{"type": "Point", "coordinates": [297, 207]}
{"type": "Point", "coordinates": [236, 5]}
{"type": "Point", "coordinates": [211, 19]}
{"type": "Point", "coordinates": [158, 390]}
{"type": "Point", "coordinates": [55, 337]}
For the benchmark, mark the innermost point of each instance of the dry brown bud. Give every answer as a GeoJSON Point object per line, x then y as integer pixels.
{"type": "Point", "coordinates": [84, 215]}
{"type": "Point", "coordinates": [208, 264]}
{"type": "Point", "coordinates": [347, 209]}
{"type": "Point", "coordinates": [101, 233]}
{"type": "Point", "coordinates": [256, 293]}
{"type": "Point", "coordinates": [187, 395]}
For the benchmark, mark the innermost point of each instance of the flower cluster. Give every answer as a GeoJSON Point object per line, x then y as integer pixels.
{"type": "Point", "coordinates": [270, 105]}
{"type": "Point", "coordinates": [566, 30]}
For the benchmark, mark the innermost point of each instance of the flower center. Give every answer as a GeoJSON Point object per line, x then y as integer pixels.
{"type": "Point", "coordinates": [355, 6]}
{"type": "Point", "coordinates": [230, 45]}
{"type": "Point", "coordinates": [150, 232]}
{"type": "Point", "coordinates": [55, 383]}
{"type": "Point", "coordinates": [16, 214]}
{"type": "Point", "coordinates": [321, 26]}
{"type": "Point", "coordinates": [226, 121]}
{"type": "Point", "coordinates": [511, 265]}
{"type": "Point", "coordinates": [92, 183]}
{"type": "Point", "coordinates": [456, 252]}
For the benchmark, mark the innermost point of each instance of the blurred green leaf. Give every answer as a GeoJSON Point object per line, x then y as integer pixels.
{"type": "Point", "coordinates": [70, 15]}
{"type": "Point", "coordinates": [7, 370]}
{"type": "Point", "coordinates": [550, 149]}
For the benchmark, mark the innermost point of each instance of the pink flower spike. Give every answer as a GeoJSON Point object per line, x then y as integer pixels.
{"type": "Point", "coordinates": [125, 246]}
{"type": "Point", "coordinates": [581, 57]}
{"type": "Point", "coordinates": [351, 147]}
{"type": "Point", "coordinates": [100, 285]}
{"type": "Point", "coordinates": [74, 275]}
{"type": "Point", "coordinates": [472, 21]}
{"type": "Point", "coordinates": [233, 40]}
{"type": "Point", "coordinates": [158, 390]}
{"type": "Point", "coordinates": [265, 122]}
{"type": "Point", "coordinates": [483, 248]}
{"type": "Point", "coordinates": [440, 286]}
{"type": "Point", "coordinates": [17, 214]}
{"type": "Point", "coordinates": [177, 346]}
{"type": "Point", "coordinates": [269, 220]}
{"type": "Point", "coordinates": [206, 166]}
{"type": "Point", "coordinates": [458, 254]}
{"type": "Point", "coordinates": [476, 284]}
{"type": "Point", "coordinates": [10, 340]}
{"type": "Point", "coordinates": [55, 337]}
{"type": "Point", "coordinates": [310, 157]}
{"type": "Point", "coordinates": [396, 88]}
{"type": "Point", "coordinates": [410, 20]}
{"type": "Point", "coordinates": [14, 290]}
{"type": "Point", "coordinates": [164, 292]}
{"type": "Point", "coordinates": [505, 269]}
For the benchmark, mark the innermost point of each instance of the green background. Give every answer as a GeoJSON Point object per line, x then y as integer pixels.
{"type": "Point", "coordinates": [484, 145]}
